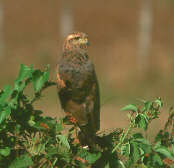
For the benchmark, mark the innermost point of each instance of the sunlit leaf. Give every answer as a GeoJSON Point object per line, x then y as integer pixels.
{"type": "Point", "coordinates": [147, 106]}
{"type": "Point", "coordinates": [89, 157]}
{"type": "Point", "coordinates": [6, 94]}
{"type": "Point", "coordinates": [159, 102]}
{"type": "Point", "coordinates": [24, 72]}
{"type": "Point", "coordinates": [121, 164]}
{"type": "Point", "coordinates": [23, 161]}
{"type": "Point", "coordinates": [142, 121]}
{"type": "Point", "coordinates": [164, 151]}
{"type": "Point", "coordinates": [107, 165]}
{"type": "Point", "coordinates": [135, 152]}
{"type": "Point", "coordinates": [5, 152]}
{"type": "Point", "coordinates": [40, 78]}
{"type": "Point", "coordinates": [64, 140]}
{"type": "Point", "coordinates": [125, 149]}
{"type": "Point", "coordinates": [156, 160]}
{"type": "Point", "coordinates": [130, 107]}
{"type": "Point", "coordinates": [4, 113]}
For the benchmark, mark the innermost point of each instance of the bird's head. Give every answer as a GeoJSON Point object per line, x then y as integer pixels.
{"type": "Point", "coordinates": [76, 41]}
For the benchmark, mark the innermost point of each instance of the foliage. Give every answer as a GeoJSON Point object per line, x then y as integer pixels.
{"type": "Point", "coordinates": [29, 139]}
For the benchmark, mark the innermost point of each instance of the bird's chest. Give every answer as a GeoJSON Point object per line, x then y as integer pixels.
{"type": "Point", "coordinates": [75, 75]}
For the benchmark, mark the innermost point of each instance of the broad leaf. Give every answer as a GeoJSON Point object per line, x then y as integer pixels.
{"type": "Point", "coordinates": [130, 107]}
{"type": "Point", "coordinates": [64, 140]}
{"type": "Point", "coordinates": [6, 94]}
{"type": "Point", "coordinates": [142, 121]}
{"type": "Point", "coordinates": [89, 157]}
{"type": "Point", "coordinates": [24, 72]}
{"type": "Point", "coordinates": [4, 113]}
{"type": "Point", "coordinates": [125, 149]}
{"type": "Point", "coordinates": [5, 152]}
{"type": "Point", "coordinates": [156, 160]}
{"type": "Point", "coordinates": [164, 151]}
{"type": "Point", "coordinates": [159, 102]}
{"type": "Point", "coordinates": [23, 161]}
{"type": "Point", "coordinates": [40, 78]}
{"type": "Point", "coordinates": [135, 152]}
{"type": "Point", "coordinates": [147, 106]}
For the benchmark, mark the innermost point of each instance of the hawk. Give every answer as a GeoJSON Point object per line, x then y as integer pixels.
{"type": "Point", "coordinates": [77, 84]}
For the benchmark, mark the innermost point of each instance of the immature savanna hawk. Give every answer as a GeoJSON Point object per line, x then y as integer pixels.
{"type": "Point", "coordinates": [77, 84]}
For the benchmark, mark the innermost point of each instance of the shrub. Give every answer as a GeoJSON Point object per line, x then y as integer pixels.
{"type": "Point", "coordinates": [29, 139]}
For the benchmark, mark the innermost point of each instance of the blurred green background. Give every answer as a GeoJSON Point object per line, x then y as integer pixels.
{"type": "Point", "coordinates": [132, 47]}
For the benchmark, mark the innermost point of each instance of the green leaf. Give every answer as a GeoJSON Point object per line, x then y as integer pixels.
{"type": "Point", "coordinates": [46, 74]}
{"type": "Point", "coordinates": [4, 113]}
{"type": "Point", "coordinates": [135, 152]}
{"type": "Point", "coordinates": [64, 153]}
{"type": "Point", "coordinates": [143, 141]}
{"type": "Point", "coordinates": [144, 145]}
{"type": "Point", "coordinates": [164, 151]}
{"type": "Point", "coordinates": [40, 78]}
{"type": "Point", "coordinates": [148, 105]}
{"type": "Point", "coordinates": [130, 107]}
{"type": "Point", "coordinates": [18, 128]}
{"type": "Point", "coordinates": [156, 159]}
{"type": "Point", "coordinates": [51, 151]}
{"type": "Point", "coordinates": [159, 102]}
{"type": "Point", "coordinates": [142, 121]}
{"type": "Point", "coordinates": [137, 136]}
{"type": "Point", "coordinates": [19, 85]}
{"type": "Point", "coordinates": [6, 93]}
{"type": "Point", "coordinates": [107, 166]}
{"type": "Point", "coordinates": [31, 123]}
{"type": "Point", "coordinates": [121, 164]}
{"type": "Point", "coordinates": [173, 148]}
{"type": "Point", "coordinates": [90, 157]}
{"type": "Point", "coordinates": [23, 161]}
{"type": "Point", "coordinates": [13, 103]}
{"type": "Point", "coordinates": [25, 72]}
{"type": "Point", "coordinates": [125, 149]}
{"type": "Point", "coordinates": [93, 157]}
{"type": "Point", "coordinates": [64, 140]}
{"type": "Point", "coordinates": [37, 80]}
{"type": "Point", "coordinates": [5, 152]}
{"type": "Point", "coordinates": [59, 126]}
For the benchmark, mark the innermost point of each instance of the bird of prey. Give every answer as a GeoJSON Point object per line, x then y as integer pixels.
{"type": "Point", "coordinates": [77, 84]}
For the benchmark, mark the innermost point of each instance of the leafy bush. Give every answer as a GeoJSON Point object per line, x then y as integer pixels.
{"type": "Point", "coordinates": [29, 139]}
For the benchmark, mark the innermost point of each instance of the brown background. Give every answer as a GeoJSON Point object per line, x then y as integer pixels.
{"type": "Point", "coordinates": [32, 35]}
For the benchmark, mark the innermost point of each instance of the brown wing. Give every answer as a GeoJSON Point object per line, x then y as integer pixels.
{"type": "Point", "coordinates": [79, 93]}
{"type": "Point", "coordinates": [94, 104]}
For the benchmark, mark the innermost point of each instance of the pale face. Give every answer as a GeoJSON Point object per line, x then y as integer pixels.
{"type": "Point", "coordinates": [76, 41]}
